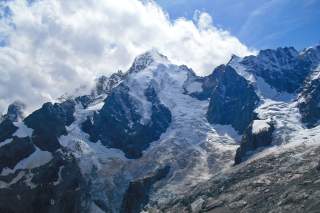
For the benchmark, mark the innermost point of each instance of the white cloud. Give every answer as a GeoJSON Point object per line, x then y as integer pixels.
{"type": "Point", "coordinates": [54, 46]}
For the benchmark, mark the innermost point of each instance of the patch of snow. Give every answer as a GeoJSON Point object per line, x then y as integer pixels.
{"type": "Point", "coordinates": [95, 209]}
{"type": "Point", "coordinates": [59, 176]}
{"type": "Point", "coordinates": [227, 131]}
{"type": "Point", "coordinates": [36, 159]}
{"type": "Point", "coordinates": [259, 126]}
{"type": "Point", "coordinates": [194, 87]}
{"type": "Point", "coordinates": [152, 57]}
{"type": "Point", "coordinates": [90, 154]}
{"type": "Point", "coordinates": [4, 184]}
{"type": "Point", "coordinates": [22, 131]}
{"type": "Point", "coordinates": [305, 139]}
{"type": "Point", "coordinates": [5, 142]}
{"type": "Point", "coordinates": [286, 117]}
{"type": "Point", "coordinates": [158, 58]}
{"type": "Point", "coordinates": [196, 206]}
{"type": "Point", "coordinates": [96, 106]}
{"type": "Point", "coordinates": [263, 89]}
{"type": "Point", "coordinates": [241, 70]}
{"type": "Point", "coordinates": [28, 180]}
{"type": "Point", "coordinates": [138, 83]}
{"type": "Point", "coordinates": [316, 73]}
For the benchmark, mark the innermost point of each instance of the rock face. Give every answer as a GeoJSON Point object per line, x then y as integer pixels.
{"type": "Point", "coordinates": [284, 68]}
{"type": "Point", "coordinates": [309, 100]}
{"type": "Point", "coordinates": [103, 87]}
{"type": "Point", "coordinates": [105, 84]}
{"type": "Point", "coordinates": [49, 122]}
{"type": "Point", "coordinates": [232, 98]}
{"type": "Point", "coordinates": [15, 151]}
{"type": "Point", "coordinates": [137, 194]}
{"type": "Point", "coordinates": [55, 187]}
{"type": "Point", "coordinates": [118, 124]}
{"type": "Point", "coordinates": [7, 128]}
{"type": "Point", "coordinates": [131, 120]}
{"type": "Point", "coordinates": [258, 135]}
{"type": "Point", "coordinates": [32, 180]}
{"type": "Point", "coordinates": [15, 111]}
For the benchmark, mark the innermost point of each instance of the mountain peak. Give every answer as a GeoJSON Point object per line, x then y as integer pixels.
{"type": "Point", "coordinates": [154, 54]}
{"type": "Point", "coordinates": [312, 54]}
{"type": "Point", "coordinates": [234, 58]}
{"type": "Point", "coordinates": [16, 111]}
{"type": "Point", "coordinates": [279, 52]}
{"type": "Point", "coordinates": [146, 59]}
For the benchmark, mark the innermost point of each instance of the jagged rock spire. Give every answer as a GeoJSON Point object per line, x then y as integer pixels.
{"type": "Point", "coordinates": [15, 111]}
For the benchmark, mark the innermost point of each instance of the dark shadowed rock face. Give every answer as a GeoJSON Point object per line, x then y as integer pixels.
{"type": "Point", "coordinates": [232, 98]}
{"type": "Point", "coordinates": [253, 140]}
{"type": "Point", "coordinates": [84, 100]}
{"type": "Point", "coordinates": [15, 111]}
{"type": "Point", "coordinates": [13, 152]}
{"type": "Point", "coordinates": [103, 87]}
{"type": "Point", "coordinates": [14, 114]}
{"type": "Point", "coordinates": [137, 194]}
{"type": "Point", "coordinates": [7, 128]}
{"type": "Point", "coordinates": [285, 69]}
{"type": "Point", "coordinates": [105, 84]}
{"type": "Point", "coordinates": [118, 124]}
{"type": "Point", "coordinates": [311, 55]}
{"type": "Point", "coordinates": [309, 102]}
{"type": "Point", "coordinates": [55, 187]}
{"type": "Point", "coordinates": [49, 122]}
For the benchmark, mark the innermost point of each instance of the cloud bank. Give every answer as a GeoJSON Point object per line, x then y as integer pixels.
{"type": "Point", "coordinates": [50, 47]}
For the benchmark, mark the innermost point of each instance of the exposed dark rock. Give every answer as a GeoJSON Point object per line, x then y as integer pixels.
{"type": "Point", "coordinates": [232, 98]}
{"type": "Point", "coordinates": [13, 152]}
{"type": "Point", "coordinates": [14, 114]}
{"type": "Point", "coordinates": [104, 84]}
{"type": "Point", "coordinates": [15, 111]}
{"type": "Point", "coordinates": [284, 68]}
{"type": "Point", "coordinates": [55, 187]}
{"type": "Point", "coordinates": [318, 166]}
{"type": "Point", "coordinates": [309, 102]}
{"type": "Point", "coordinates": [85, 100]}
{"type": "Point", "coordinates": [49, 122]}
{"type": "Point", "coordinates": [101, 84]}
{"type": "Point", "coordinates": [311, 55]}
{"type": "Point", "coordinates": [251, 141]}
{"type": "Point", "coordinates": [137, 194]}
{"type": "Point", "coordinates": [118, 124]}
{"type": "Point", "coordinates": [7, 128]}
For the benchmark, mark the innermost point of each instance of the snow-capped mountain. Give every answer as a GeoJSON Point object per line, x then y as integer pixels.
{"type": "Point", "coordinates": [159, 138]}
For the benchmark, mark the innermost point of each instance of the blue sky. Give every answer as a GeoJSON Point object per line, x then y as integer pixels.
{"type": "Point", "coordinates": [258, 23]}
